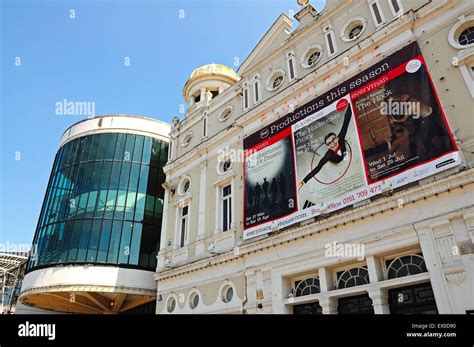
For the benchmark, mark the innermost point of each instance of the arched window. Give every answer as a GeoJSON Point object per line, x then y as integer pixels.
{"type": "Point", "coordinates": [353, 277]}
{"type": "Point", "coordinates": [307, 287]}
{"type": "Point", "coordinates": [406, 266]}
{"type": "Point", "coordinates": [466, 37]}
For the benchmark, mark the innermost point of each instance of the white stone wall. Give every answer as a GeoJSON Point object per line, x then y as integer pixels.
{"type": "Point", "coordinates": [436, 216]}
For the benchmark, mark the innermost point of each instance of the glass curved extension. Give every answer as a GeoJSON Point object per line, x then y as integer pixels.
{"type": "Point", "coordinates": [104, 203]}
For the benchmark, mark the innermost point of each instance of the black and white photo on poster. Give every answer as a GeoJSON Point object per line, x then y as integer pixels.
{"type": "Point", "coordinates": [270, 182]}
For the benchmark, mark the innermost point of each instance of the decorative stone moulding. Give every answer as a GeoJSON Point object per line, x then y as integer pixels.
{"type": "Point", "coordinates": [456, 277]}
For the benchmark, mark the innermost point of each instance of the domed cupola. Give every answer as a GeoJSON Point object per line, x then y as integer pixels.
{"type": "Point", "coordinates": [208, 81]}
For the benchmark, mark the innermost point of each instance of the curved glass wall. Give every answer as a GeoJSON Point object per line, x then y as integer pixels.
{"type": "Point", "coordinates": [104, 203]}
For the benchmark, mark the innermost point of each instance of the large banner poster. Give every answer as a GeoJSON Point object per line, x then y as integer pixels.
{"type": "Point", "coordinates": [381, 129]}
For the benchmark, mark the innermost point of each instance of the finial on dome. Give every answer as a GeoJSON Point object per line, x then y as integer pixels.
{"type": "Point", "coordinates": [302, 3]}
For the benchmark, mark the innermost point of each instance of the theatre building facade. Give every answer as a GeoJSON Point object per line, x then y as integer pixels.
{"type": "Point", "coordinates": [332, 172]}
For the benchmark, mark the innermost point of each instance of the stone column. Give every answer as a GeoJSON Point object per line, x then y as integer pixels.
{"type": "Point", "coordinates": [375, 269]}
{"type": "Point", "coordinates": [380, 301]}
{"type": "Point", "coordinates": [201, 234]}
{"type": "Point", "coordinates": [435, 269]}
{"type": "Point", "coordinates": [325, 280]}
{"type": "Point", "coordinates": [329, 305]}
{"type": "Point", "coordinates": [164, 221]}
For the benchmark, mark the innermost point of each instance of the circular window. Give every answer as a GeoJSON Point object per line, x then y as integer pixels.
{"type": "Point", "coordinates": [225, 114]}
{"type": "Point", "coordinates": [194, 301]}
{"type": "Point", "coordinates": [171, 305]}
{"type": "Point", "coordinates": [227, 294]}
{"type": "Point", "coordinates": [187, 139]}
{"type": "Point", "coordinates": [184, 186]}
{"type": "Point", "coordinates": [275, 80]}
{"type": "Point", "coordinates": [467, 36]}
{"type": "Point", "coordinates": [353, 29]}
{"type": "Point", "coordinates": [311, 57]}
{"type": "Point", "coordinates": [225, 166]}
{"type": "Point", "coordinates": [461, 34]}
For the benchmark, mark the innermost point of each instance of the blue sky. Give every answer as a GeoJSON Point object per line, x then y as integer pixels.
{"type": "Point", "coordinates": [82, 59]}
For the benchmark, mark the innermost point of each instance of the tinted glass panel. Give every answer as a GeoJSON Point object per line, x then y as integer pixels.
{"type": "Point", "coordinates": [104, 202]}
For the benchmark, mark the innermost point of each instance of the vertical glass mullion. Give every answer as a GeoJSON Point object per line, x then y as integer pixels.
{"type": "Point", "coordinates": [135, 243]}
{"type": "Point", "coordinates": [72, 153]}
{"type": "Point", "coordinates": [66, 241]}
{"type": "Point", "coordinates": [91, 256]}
{"type": "Point", "coordinates": [119, 238]}
{"type": "Point", "coordinates": [59, 159]}
{"type": "Point", "coordinates": [52, 193]}
{"type": "Point", "coordinates": [70, 188]}
{"type": "Point", "coordinates": [75, 185]}
{"type": "Point", "coordinates": [40, 243]}
{"type": "Point", "coordinates": [78, 189]}
{"type": "Point", "coordinates": [94, 189]}
{"type": "Point", "coordinates": [125, 239]}
{"type": "Point", "coordinates": [110, 176]}
{"type": "Point", "coordinates": [94, 147]}
{"type": "Point", "coordinates": [117, 165]}
{"type": "Point", "coordinates": [84, 240]}
{"type": "Point", "coordinates": [103, 189]}
{"type": "Point", "coordinates": [85, 194]}
{"type": "Point", "coordinates": [127, 192]}
{"type": "Point", "coordinates": [46, 202]}
{"type": "Point", "coordinates": [108, 186]}
{"type": "Point", "coordinates": [44, 210]}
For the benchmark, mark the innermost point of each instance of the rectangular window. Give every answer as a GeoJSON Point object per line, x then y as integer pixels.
{"type": "Point", "coordinates": [183, 226]}
{"type": "Point", "coordinates": [246, 99]}
{"type": "Point", "coordinates": [330, 43]}
{"type": "Point", "coordinates": [396, 7]}
{"type": "Point", "coordinates": [204, 127]}
{"type": "Point", "coordinates": [257, 96]}
{"type": "Point", "coordinates": [170, 148]}
{"type": "Point", "coordinates": [376, 13]}
{"type": "Point", "coordinates": [291, 69]}
{"type": "Point", "coordinates": [226, 208]}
